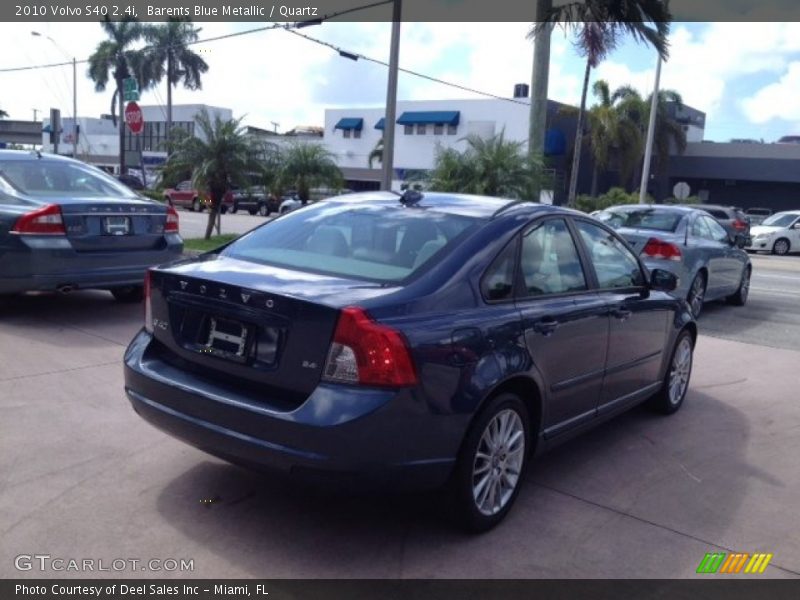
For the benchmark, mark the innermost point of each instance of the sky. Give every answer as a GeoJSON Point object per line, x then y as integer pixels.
{"type": "Point", "coordinates": [745, 76]}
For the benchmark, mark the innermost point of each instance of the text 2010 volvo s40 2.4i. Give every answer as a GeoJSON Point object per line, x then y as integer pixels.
{"type": "Point", "coordinates": [421, 341]}
{"type": "Point", "coordinates": [66, 225]}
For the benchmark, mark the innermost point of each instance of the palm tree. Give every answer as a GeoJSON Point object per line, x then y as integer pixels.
{"type": "Point", "coordinates": [668, 134]}
{"type": "Point", "coordinates": [595, 41]}
{"type": "Point", "coordinates": [3, 114]}
{"type": "Point", "coordinates": [116, 59]}
{"type": "Point", "coordinates": [488, 166]}
{"type": "Point", "coordinates": [304, 166]}
{"type": "Point", "coordinates": [376, 153]}
{"type": "Point", "coordinates": [646, 20]}
{"type": "Point", "coordinates": [223, 154]}
{"type": "Point", "coordinates": [614, 134]}
{"type": "Point", "coordinates": [169, 56]}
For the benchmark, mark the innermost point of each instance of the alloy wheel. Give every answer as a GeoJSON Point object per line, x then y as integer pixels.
{"type": "Point", "coordinates": [498, 462]}
{"type": "Point", "coordinates": [680, 370]}
{"type": "Point", "coordinates": [697, 294]}
{"type": "Point", "coordinates": [781, 247]}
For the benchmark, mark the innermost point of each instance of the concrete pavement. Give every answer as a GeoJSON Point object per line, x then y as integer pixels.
{"type": "Point", "coordinates": [193, 224]}
{"type": "Point", "coordinates": [642, 496]}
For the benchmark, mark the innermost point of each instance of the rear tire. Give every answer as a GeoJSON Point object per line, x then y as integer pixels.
{"type": "Point", "coordinates": [263, 210]}
{"type": "Point", "coordinates": [740, 297]}
{"type": "Point", "coordinates": [252, 211]}
{"type": "Point", "coordinates": [697, 294]}
{"type": "Point", "coordinates": [129, 294]}
{"type": "Point", "coordinates": [781, 247]}
{"type": "Point", "coordinates": [491, 464]}
{"type": "Point", "coordinates": [196, 206]}
{"type": "Point", "coordinates": [676, 382]}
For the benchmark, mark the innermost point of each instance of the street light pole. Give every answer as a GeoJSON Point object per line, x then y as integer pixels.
{"type": "Point", "coordinates": [651, 129]}
{"type": "Point", "coordinates": [391, 100]}
{"type": "Point", "coordinates": [74, 93]}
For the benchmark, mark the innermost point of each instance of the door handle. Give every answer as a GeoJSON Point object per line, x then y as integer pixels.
{"type": "Point", "coordinates": [546, 326]}
{"type": "Point", "coordinates": [623, 314]}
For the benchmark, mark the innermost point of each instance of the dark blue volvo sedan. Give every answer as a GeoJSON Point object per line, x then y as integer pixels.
{"type": "Point", "coordinates": [415, 341]}
{"type": "Point", "coordinates": [66, 225]}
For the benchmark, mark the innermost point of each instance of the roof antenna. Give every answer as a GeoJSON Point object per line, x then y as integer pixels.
{"type": "Point", "coordinates": [411, 197]}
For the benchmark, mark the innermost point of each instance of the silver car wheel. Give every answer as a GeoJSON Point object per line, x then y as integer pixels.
{"type": "Point", "coordinates": [697, 294]}
{"type": "Point", "coordinates": [680, 370]}
{"type": "Point", "coordinates": [781, 247]}
{"type": "Point", "coordinates": [498, 462]}
{"type": "Point", "coordinates": [745, 286]}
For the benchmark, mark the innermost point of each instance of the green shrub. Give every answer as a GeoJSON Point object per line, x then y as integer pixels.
{"type": "Point", "coordinates": [613, 197]}
{"type": "Point", "coordinates": [153, 195]}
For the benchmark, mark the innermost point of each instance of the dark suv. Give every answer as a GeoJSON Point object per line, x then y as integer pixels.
{"type": "Point", "coordinates": [731, 218]}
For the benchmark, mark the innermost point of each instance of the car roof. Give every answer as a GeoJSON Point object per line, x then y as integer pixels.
{"type": "Point", "coordinates": [486, 207]}
{"type": "Point", "coordinates": [29, 154]}
{"type": "Point", "coordinates": [676, 208]}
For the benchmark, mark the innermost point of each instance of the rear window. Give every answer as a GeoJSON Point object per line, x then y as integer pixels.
{"type": "Point", "coordinates": [717, 214]}
{"type": "Point", "coordinates": [372, 242]}
{"type": "Point", "coordinates": [50, 178]}
{"type": "Point", "coordinates": [641, 218]}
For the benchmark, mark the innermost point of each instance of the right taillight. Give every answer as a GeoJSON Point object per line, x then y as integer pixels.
{"type": "Point", "coordinates": [171, 226]}
{"type": "Point", "coordinates": [43, 221]}
{"type": "Point", "coordinates": [367, 353]}
{"type": "Point", "coordinates": [148, 308]}
{"type": "Point", "coordinates": [739, 225]}
{"type": "Point", "coordinates": [655, 248]}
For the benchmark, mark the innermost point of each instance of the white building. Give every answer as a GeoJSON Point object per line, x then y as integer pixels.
{"type": "Point", "coordinates": [98, 138]}
{"type": "Point", "coordinates": [422, 126]}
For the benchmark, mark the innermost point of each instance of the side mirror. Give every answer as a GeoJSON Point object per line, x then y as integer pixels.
{"type": "Point", "coordinates": [663, 281]}
{"type": "Point", "coordinates": [796, 225]}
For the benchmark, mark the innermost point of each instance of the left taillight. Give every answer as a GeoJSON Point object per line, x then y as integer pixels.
{"type": "Point", "coordinates": [148, 308]}
{"type": "Point", "coordinates": [43, 221]}
{"type": "Point", "coordinates": [739, 225]}
{"type": "Point", "coordinates": [171, 226]}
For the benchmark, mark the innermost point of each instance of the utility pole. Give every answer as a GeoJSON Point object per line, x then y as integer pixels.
{"type": "Point", "coordinates": [540, 77]}
{"type": "Point", "coordinates": [391, 100]}
{"type": "Point", "coordinates": [74, 108]}
{"type": "Point", "coordinates": [35, 113]}
{"type": "Point", "coordinates": [651, 129]}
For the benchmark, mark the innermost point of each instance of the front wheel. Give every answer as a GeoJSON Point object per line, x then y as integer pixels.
{"type": "Point", "coordinates": [676, 382]}
{"type": "Point", "coordinates": [263, 210]}
{"type": "Point", "coordinates": [196, 206]}
{"type": "Point", "coordinates": [781, 247]}
{"type": "Point", "coordinates": [128, 294]}
{"type": "Point", "coordinates": [697, 294]}
{"type": "Point", "coordinates": [491, 463]}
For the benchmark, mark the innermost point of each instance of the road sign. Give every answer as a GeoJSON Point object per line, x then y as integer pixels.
{"type": "Point", "coordinates": [129, 84]}
{"type": "Point", "coordinates": [681, 190]}
{"type": "Point", "coordinates": [134, 118]}
{"type": "Point", "coordinates": [131, 96]}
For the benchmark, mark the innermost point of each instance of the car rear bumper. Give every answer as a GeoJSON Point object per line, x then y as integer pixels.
{"type": "Point", "coordinates": [339, 436]}
{"type": "Point", "coordinates": [49, 264]}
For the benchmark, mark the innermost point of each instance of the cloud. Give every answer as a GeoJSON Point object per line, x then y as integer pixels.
{"type": "Point", "coordinates": [779, 100]}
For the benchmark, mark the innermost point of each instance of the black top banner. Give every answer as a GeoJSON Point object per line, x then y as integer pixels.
{"type": "Point", "coordinates": [291, 11]}
{"type": "Point", "coordinates": [345, 589]}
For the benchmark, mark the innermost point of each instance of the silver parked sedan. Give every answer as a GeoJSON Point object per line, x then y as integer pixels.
{"type": "Point", "coordinates": [779, 234]}
{"type": "Point", "coordinates": [709, 262]}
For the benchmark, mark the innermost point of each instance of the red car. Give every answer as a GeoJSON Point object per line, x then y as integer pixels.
{"type": "Point", "coordinates": [185, 195]}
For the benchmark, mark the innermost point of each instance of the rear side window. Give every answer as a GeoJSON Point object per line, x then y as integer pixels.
{"type": "Point", "coordinates": [652, 218]}
{"type": "Point", "coordinates": [717, 214]}
{"type": "Point", "coordinates": [498, 281]}
{"type": "Point", "coordinates": [372, 242]}
{"type": "Point", "coordinates": [550, 261]}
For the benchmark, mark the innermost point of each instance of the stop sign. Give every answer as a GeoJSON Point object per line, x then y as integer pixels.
{"type": "Point", "coordinates": [134, 118]}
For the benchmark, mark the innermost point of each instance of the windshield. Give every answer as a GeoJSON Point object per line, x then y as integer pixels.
{"type": "Point", "coordinates": [50, 178]}
{"type": "Point", "coordinates": [376, 243]}
{"type": "Point", "coordinates": [779, 220]}
{"type": "Point", "coordinates": [641, 218]}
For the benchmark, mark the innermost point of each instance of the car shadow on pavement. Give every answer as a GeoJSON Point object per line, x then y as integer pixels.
{"type": "Point", "coordinates": [640, 476]}
{"type": "Point", "coordinates": [94, 312]}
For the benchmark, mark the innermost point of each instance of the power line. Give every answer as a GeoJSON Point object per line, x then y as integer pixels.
{"type": "Point", "coordinates": [287, 26]}
{"type": "Point", "coordinates": [350, 54]}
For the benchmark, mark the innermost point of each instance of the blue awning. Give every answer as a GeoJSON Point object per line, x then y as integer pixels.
{"type": "Point", "coordinates": [441, 117]}
{"type": "Point", "coordinates": [555, 143]}
{"type": "Point", "coordinates": [379, 124]}
{"type": "Point", "coordinates": [350, 123]}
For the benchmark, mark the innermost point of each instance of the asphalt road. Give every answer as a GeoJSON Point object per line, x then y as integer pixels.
{"type": "Point", "coordinates": [771, 316]}
{"type": "Point", "coordinates": [81, 476]}
{"type": "Point", "coordinates": [193, 224]}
